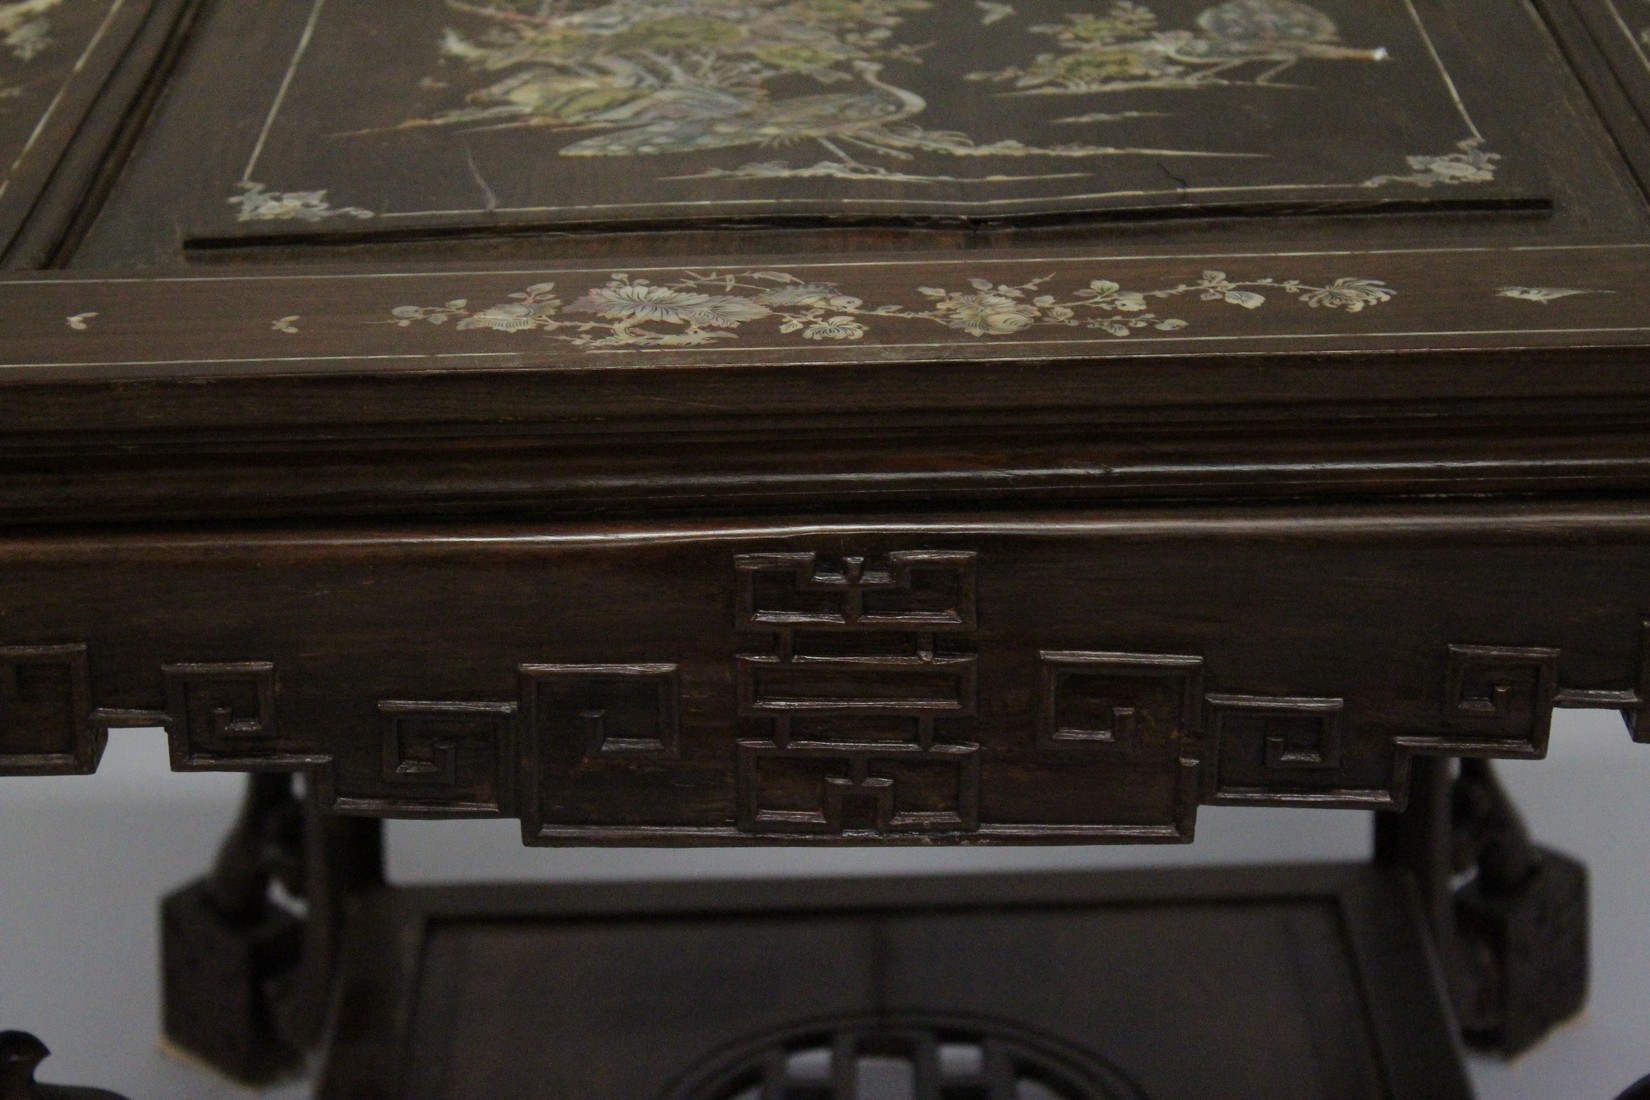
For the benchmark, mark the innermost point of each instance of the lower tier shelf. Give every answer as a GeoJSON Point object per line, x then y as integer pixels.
{"type": "Point", "coordinates": [1266, 983]}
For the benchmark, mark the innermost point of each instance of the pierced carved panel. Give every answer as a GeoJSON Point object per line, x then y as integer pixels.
{"type": "Point", "coordinates": [45, 712]}
{"type": "Point", "coordinates": [867, 696]}
{"type": "Point", "coordinates": [435, 758]}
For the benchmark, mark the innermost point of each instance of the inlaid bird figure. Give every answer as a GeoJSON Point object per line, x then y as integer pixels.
{"type": "Point", "coordinates": [1280, 33]}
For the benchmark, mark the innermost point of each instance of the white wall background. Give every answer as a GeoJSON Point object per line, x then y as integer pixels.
{"type": "Point", "coordinates": [83, 862]}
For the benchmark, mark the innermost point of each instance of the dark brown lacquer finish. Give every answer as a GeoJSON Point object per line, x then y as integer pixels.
{"type": "Point", "coordinates": [879, 112]}
{"type": "Point", "coordinates": [811, 422]}
{"type": "Point", "coordinates": [70, 71]}
{"type": "Point", "coordinates": [1127, 986]}
{"type": "Point", "coordinates": [46, 721]}
{"type": "Point", "coordinates": [910, 123]}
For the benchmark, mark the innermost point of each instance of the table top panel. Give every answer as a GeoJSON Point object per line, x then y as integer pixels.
{"type": "Point", "coordinates": [318, 122]}
{"type": "Point", "coordinates": [454, 111]}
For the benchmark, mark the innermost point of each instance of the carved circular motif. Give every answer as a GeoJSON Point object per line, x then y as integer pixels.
{"type": "Point", "coordinates": [905, 1057]}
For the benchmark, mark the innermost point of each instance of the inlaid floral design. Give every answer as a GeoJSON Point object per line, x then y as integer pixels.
{"type": "Point", "coordinates": [700, 308]}
{"type": "Point", "coordinates": [993, 12]}
{"type": "Point", "coordinates": [25, 31]}
{"type": "Point", "coordinates": [1470, 165]}
{"type": "Point", "coordinates": [628, 78]}
{"type": "Point", "coordinates": [258, 203]}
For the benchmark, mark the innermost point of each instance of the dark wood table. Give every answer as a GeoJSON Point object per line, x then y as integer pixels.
{"type": "Point", "coordinates": [673, 422]}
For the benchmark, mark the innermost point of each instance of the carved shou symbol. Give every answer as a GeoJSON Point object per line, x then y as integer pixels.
{"type": "Point", "coordinates": [917, 590]}
{"type": "Point", "coordinates": [851, 693]}
{"type": "Point", "coordinates": [45, 705]}
{"type": "Point", "coordinates": [854, 648]}
{"type": "Point", "coordinates": [896, 789]}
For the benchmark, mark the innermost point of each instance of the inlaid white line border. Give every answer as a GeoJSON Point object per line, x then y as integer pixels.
{"type": "Point", "coordinates": [1632, 39]}
{"type": "Point", "coordinates": [269, 359]}
{"type": "Point", "coordinates": [917, 260]}
{"type": "Point", "coordinates": [978, 353]}
{"type": "Point", "coordinates": [286, 86]}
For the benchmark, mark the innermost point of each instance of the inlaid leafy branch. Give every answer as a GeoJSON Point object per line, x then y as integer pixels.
{"type": "Point", "coordinates": [25, 29]}
{"type": "Point", "coordinates": [257, 203]}
{"type": "Point", "coordinates": [701, 307]}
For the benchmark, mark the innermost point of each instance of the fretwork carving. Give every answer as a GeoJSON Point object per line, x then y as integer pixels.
{"type": "Point", "coordinates": [45, 712]}
{"type": "Point", "coordinates": [1098, 702]}
{"type": "Point", "coordinates": [1499, 700]}
{"type": "Point", "coordinates": [820, 699]}
{"type": "Point", "coordinates": [434, 759]}
{"type": "Point", "coordinates": [221, 717]}
{"type": "Point", "coordinates": [924, 590]}
{"type": "Point", "coordinates": [1279, 749]}
{"type": "Point", "coordinates": [601, 711]}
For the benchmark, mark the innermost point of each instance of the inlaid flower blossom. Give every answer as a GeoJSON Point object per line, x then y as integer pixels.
{"type": "Point", "coordinates": [511, 317]}
{"type": "Point", "coordinates": [1351, 294]}
{"type": "Point", "coordinates": [257, 203]}
{"type": "Point", "coordinates": [987, 313]}
{"type": "Point", "coordinates": [642, 301]}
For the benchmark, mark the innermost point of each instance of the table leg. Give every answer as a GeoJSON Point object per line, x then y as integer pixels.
{"type": "Point", "coordinates": [247, 972]}
{"type": "Point", "coordinates": [1509, 916]}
